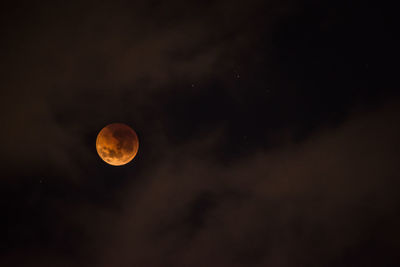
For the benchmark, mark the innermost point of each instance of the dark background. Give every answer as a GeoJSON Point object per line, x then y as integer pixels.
{"type": "Point", "coordinates": [269, 133]}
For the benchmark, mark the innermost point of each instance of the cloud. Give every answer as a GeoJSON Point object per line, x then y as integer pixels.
{"type": "Point", "coordinates": [70, 69]}
{"type": "Point", "coordinates": [307, 204]}
{"type": "Point", "coordinates": [324, 200]}
{"type": "Point", "coordinates": [113, 45]}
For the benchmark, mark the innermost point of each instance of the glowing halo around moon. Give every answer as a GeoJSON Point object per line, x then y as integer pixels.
{"type": "Point", "coordinates": [117, 144]}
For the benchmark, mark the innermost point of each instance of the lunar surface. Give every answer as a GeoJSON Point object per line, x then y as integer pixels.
{"type": "Point", "coordinates": [117, 144]}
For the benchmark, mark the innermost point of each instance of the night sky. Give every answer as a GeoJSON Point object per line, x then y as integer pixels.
{"type": "Point", "coordinates": [269, 133]}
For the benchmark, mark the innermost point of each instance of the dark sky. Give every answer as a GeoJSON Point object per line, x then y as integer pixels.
{"type": "Point", "coordinates": [269, 133]}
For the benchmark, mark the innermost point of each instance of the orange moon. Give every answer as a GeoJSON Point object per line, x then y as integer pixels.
{"type": "Point", "coordinates": [117, 144]}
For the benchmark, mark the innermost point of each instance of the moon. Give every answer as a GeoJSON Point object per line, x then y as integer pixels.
{"type": "Point", "coordinates": [117, 144]}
